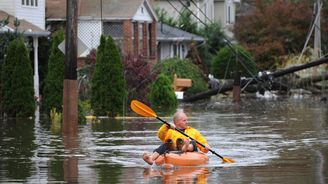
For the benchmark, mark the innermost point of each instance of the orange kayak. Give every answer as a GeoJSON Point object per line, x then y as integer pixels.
{"type": "Point", "coordinates": [182, 159]}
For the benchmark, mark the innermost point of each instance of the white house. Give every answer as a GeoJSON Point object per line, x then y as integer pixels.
{"type": "Point", "coordinates": [174, 42]}
{"type": "Point", "coordinates": [31, 15]}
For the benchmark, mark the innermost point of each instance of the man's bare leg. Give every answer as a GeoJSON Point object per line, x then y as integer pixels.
{"type": "Point", "coordinates": [150, 158]}
{"type": "Point", "coordinates": [187, 146]}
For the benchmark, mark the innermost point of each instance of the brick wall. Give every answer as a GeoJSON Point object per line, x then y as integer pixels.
{"type": "Point", "coordinates": [153, 40]}
{"type": "Point", "coordinates": [136, 38]}
{"type": "Point", "coordinates": [145, 39]}
{"type": "Point", "coordinates": [127, 40]}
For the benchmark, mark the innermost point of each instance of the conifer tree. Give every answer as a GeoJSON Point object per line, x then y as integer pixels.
{"type": "Point", "coordinates": [107, 83]}
{"type": "Point", "coordinates": [17, 81]}
{"type": "Point", "coordinates": [53, 89]}
{"type": "Point", "coordinates": [162, 96]}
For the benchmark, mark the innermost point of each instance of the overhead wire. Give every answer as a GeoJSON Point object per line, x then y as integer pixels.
{"type": "Point", "coordinates": [226, 40]}
{"type": "Point", "coordinates": [254, 77]}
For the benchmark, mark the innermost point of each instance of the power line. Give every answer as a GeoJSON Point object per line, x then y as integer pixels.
{"type": "Point", "coordinates": [230, 45]}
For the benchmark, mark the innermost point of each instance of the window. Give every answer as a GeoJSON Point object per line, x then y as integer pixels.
{"type": "Point", "coordinates": [31, 3]}
{"type": "Point", "coordinates": [114, 29]}
{"type": "Point", "coordinates": [228, 21]}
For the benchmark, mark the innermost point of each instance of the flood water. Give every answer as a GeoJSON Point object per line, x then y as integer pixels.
{"type": "Point", "coordinates": [272, 141]}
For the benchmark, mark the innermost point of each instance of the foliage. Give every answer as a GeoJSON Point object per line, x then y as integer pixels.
{"type": "Point", "coordinates": [183, 69]}
{"type": "Point", "coordinates": [138, 76]}
{"type": "Point", "coordinates": [273, 29]}
{"type": "Point", "coordinates": [297, 59]}
{"type": "Point", "coordinates": [214, 36]}
{"type": "Point", "coordinates": [186, 23]}
{"type": "Point", "coordinates": [164, 18]}
{"type": "Point", "coordinates": [17, 81]}
{"type": "Point", "coordinates": [5, 39]}
{"type": "Point", "coordinates": [84, 76]}
{"type": "Point", "coordinates": [81, 119]}
{"type": "Point", "coordinates": [53, 87]}
{"type": "Point", "coordinates": [226, 62]}
{"type": "Point", "coordinates": [162, 96]}
{"type": "Point", "coordinates": [56, 120]}
{"type": "Point", "coordinates": [107, 83]}
{"type": "Point", "coordinates": [324, 27]}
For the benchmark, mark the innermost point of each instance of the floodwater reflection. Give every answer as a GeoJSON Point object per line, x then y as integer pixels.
{"type": "Point", "coordinates": [196, 175]}
{"type": "Point", "coordinates": [272, 141]}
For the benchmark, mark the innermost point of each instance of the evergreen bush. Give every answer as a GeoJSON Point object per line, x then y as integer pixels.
{"type": "Point", "coordinates": [183, 69]}
{"type": "Point", "coordinates": [17, 81]}
{"type": "Point", "coordinates": [162, 96]}
{"type": "Point", "coordinates": [53, 88]}
{"type": "Point", "coordinates": [108, 94]}
{"type": "Point", "coordinates": [226, 62]}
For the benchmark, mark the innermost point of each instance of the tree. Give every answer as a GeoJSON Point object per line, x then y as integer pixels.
{"type": "Point", "coordinates": [108, 93]}
{"type": "Point", "coordinates": [226, 62]}
{"type": "Point", "coordinates": [183, 69]}
{"type": "Point", "coordinates": [214, 37]}
{"type": "Point", "coordinates": [162, 96]}
{"type": "Point", "coordinates": [273, 29]}
{"type": "Point", "coordinates": [186, 23]}
{"type": "Point", "coordinates": [164, 18]}
{"type": "Point", "coordinates": [53, 89]}
{"type": "Point", "coordinates": [138, 76]}
{"type": "Point", "coordinates": [17, 81]}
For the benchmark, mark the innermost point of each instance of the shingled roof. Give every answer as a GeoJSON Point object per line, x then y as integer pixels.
{"type": "Point", "coordinates": [25, 27]}
{"type": "Point", "coordinates": [95, 9]}
{"type": "Point", "coordinates": [169, 33]}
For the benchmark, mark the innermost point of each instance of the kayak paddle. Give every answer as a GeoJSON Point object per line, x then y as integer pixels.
{"type": "Point", "coordinates": [146, 111]}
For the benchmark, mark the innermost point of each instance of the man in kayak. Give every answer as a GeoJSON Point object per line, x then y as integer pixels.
{"type": "Point", "coordinates": [173, 140]}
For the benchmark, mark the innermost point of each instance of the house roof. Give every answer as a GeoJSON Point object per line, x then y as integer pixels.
{"type": "Point", "coordinates": [96, 9]}
{"type": "Point", "coordinates": [169, 33]}
{"type": "Point", "coordinates": [25, 27]}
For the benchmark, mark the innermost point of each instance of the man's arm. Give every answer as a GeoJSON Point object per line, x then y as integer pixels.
{"type": "Point", "coordinates": [162, 131]}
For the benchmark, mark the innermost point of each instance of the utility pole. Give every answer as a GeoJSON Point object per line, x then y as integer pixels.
{"type": "Point", "coordinates": [70, 97]}
{"type": "Point", "coordinates": [317, 27]}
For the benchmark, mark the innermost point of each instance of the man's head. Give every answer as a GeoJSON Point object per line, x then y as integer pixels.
{"type": "Point", "coordinates": [180, 120]}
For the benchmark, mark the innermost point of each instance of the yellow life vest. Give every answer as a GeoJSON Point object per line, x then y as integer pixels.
{"type": "Point", "coordinates": [166, 134]}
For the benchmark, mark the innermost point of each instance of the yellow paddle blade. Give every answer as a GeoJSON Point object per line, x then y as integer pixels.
{"type": "Point", "coordinates": [142, 109]}
{"type": "Point", "coordinates": [229, 160]}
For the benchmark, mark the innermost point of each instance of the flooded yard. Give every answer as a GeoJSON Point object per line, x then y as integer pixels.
{"type": "Point", "coordinates": [272, 141]}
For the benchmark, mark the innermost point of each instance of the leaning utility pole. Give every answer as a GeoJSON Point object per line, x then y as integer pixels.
{"type": "Point", "coordinates": [317, 27]}
{"type": "Point", "coordinates": [70, 97]}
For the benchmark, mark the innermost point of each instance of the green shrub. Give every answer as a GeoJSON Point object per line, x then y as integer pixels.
{"type": "Point", "coordinates": [108, 92]}
{"type": "Point", "coordinates": [162, 96]}
{"type": "Point", "coordinates": [17, 81]}
{"type": "Point", "coordinates": [225, 63]}
{"type": "Point", "coordinates": [183, 69]}
{"type": "Point", "coordinates": [81, 114]}
{"type": "Point", "coordinates": [53, 88]}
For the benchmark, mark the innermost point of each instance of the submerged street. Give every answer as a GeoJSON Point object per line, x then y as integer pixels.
{"type": "Point", "coordinates": [272, 141]}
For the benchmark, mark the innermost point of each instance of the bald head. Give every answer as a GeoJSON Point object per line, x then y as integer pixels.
{"type": "Point", "coordinates": [180, 120]}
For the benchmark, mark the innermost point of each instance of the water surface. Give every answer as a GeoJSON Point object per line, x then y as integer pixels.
{"type": "Point", "coordinates": [273, 141]}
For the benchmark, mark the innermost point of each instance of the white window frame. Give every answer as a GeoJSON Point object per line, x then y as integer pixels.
{"type": "Point", "coordinates": [30, 3]}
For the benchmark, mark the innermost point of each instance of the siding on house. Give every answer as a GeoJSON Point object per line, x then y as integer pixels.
{"type": "Point", "coordinates": [32, 14]}
{"type": "Point", "coordinates": [174, 42]}
{"type": "Point", "coordinates": [8, 6]}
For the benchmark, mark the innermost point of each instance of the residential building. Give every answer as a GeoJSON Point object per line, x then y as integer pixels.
{"type": "Point", "coordinates": [174, 42]}
{"type": "Point", "coordinates": [132, 24]}
{"type": "Point", "coordinates": [31, 17]}
{"type": "Point", "coordinates": [203, 11]}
